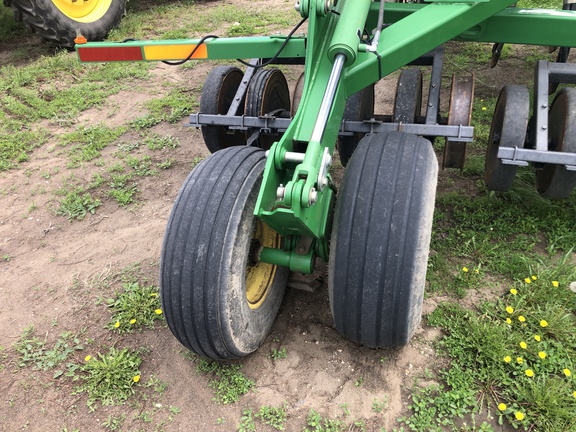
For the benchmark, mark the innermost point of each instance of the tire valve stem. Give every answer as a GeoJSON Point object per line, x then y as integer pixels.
{"type": "Point", "coordinates": [80, 39]}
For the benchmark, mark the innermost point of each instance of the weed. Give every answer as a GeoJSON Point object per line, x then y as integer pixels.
{"type": "Point", "coordinates": [379, 405]}
{"type": "Point", "coordinates": [110, 378]}
{"type": "Point", "coordinates": [359, 382]}
{"type": "Point", "coordinates": [42, 356]}
{"type": "Point", "coordinates": [89, 142]}
{"type": "Point", "coordinates": [518, 350]}
{"type": "Point", "coordinates": [229, 383]}
{"type": "Point", "coordinates": [158, 385]}
{"type": "Point", "coordinates": [136, 307]}
{"type": "Point", "coordinates": [273, 416]}
{"type": "Point", "coordinates": [122, 191]}
{"type": "Point", "coordinates": [77, 204]}
{"type": "Point", "coordinates": [316, 423]}
{"type": "Point", "coordinates": [278, 354]}
{"type": "Point", "coordinates": [141, 166]}
{"type": "Point", "coordinates": [157, 142]}
{"type": "Point", "coordinates": [6, 257]}
{"type": "Point", "coordinates": [114, 422]}
{"type": "Point", "coordinates": [247, 422]}
{"type": "Point", "coordinates": [166, 164]}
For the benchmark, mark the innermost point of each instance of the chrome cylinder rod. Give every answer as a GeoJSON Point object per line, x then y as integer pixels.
{"type": "Point", "coordinates": [328, 99]}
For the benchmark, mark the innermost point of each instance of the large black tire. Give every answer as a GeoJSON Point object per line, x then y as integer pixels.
{"type": "Point", "coordinates": [57, 21]}
{"type": "Point", "coordinates": [380, 239]}
{"type": "Point", "coordinates": [217, 300]}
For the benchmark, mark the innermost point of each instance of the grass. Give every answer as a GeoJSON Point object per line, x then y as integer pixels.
{"type": "Point", "coordinates": [228, 382]}
{"type": "Point", "coordinates": [482, 243]}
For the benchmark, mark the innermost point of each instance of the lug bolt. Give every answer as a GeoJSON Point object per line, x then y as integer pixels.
{"type": "Point", "coordinates": [313, 197]}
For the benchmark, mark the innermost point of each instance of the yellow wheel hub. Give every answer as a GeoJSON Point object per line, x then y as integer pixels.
{"type": "Point", "coordinates": [259, 277]}
{"type": "Point", "coordinates": [85, 11]}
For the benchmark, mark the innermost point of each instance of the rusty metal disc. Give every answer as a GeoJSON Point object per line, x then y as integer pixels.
{"type": "Point", "coordinates": [359, 107]}
{"type": "Point", "coordinates": [508, 129]}
{"type": "Point", "coordinates": [297, 96]}
{"type": "Point", "coordinates": [555, 181]}
{"type": "Point", "coordinates": [217, 95]}
{"type": "Point", "coordinates": [461, 98]}
{"type": "Point", "coordinates": [268, 93]}
{"type": "Point", "coordinates": [408, 98]}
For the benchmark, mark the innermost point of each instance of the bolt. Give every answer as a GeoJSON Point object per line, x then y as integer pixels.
{"type": "Point", "coordinates": [313, 197]}
{"type": "Point", "coordinates": [280, 192]}
{"type": "Point", "coordinates": [544, 106]}
{"type": "Point", "coordinates": [544, 128]}
{"type": "Point", "coordinates": [297, 6]}
{"type": "Point", "coordinates": [430, 105]}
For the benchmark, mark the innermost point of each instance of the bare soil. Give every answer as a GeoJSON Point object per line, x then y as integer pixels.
{"type": "Point", "coordinates": [53, 273]}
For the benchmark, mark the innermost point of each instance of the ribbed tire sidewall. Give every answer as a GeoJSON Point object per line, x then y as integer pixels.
{"type": "Point", "coordinates": [45, 19]}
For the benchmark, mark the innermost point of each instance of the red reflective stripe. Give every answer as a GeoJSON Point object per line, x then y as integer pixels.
{"type": "Point", "coordinates": [110, 54]}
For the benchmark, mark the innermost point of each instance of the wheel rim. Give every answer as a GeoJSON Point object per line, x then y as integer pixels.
{"type": "Point", "coordinates": [83, 10]}
{"type": "Point", "coordinates": [260, 275]}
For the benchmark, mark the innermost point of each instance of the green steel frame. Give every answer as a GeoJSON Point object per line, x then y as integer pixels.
{"type": "Point", "coordinates": [296, 195]}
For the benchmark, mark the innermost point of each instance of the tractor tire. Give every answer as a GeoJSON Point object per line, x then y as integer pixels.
{"type": "Point", "coordinates": [380, 239]}
{"type": "Point", "coordinates": [58, 21]}
{"type": "Point", "coordinates": [218, 300]}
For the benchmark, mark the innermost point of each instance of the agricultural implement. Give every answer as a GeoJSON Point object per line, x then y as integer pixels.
{"type": "Point", "coordinates": [264, 202]}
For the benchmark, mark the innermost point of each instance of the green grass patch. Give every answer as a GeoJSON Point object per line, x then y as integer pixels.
{"type": "Point", "coordinates": [134, 308]}
{"type": "Point", "coordinates": [87, 143]}
{"type": "Point", "coordinates": [514, 356]}
{"type": "Point", "coordinates": [228, 382]}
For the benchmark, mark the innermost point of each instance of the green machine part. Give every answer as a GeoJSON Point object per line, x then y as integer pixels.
{"type": "Point", "coordinates": [297, 196]}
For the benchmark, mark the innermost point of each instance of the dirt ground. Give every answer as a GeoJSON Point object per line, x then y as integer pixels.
{"type": "Point", "coordinates": [54, 272]}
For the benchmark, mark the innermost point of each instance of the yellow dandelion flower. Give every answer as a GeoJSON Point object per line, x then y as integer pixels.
{"type": "Point", "coordinates": [523, 345]}
{"type": "Point", "coordinates": [513, 291]}
{"type": "Point", "coordinates": [87, 358]}
{"type": "Point", "coordinates": [543, 323]}
{"type": "Point", "coordinates": [502, 406]}
{"type": "Point", "coordinates": [574, 394]}
{"type": "Point", "coordinates": [519, 416]}
{"type": "Point", "coordinates": [510, 309]}
{"type": "Point", "coordinates": [537, 338]}
{"type": "Point", "coordinates": [507, 359]}
{"type": "Point", "coordinates": [117, 324]}
{"type": "Point", "coordinates": [534, 278]}
{"type": "Point", "coordinates": [477, 271]}
{"type": "Point", "coordinates": [153, 295]}
{"type": "Point", "coordinates": [519, 360]}
{"type": "Point", "coordinates": [542, 355]}
{"type": "Point", "coordinates": [567, 372]}
{"type": "Point", "coordinates": [521, 318]}
{"type": "Point", "coordinates": [529, 372]}
{"type": "Point", "coordinates": [528, 280]}
{"type": "Point", "coordinates": [508, 321]}
{"type": "Point", "coordinates": [465, 269]}
{"type": "Point", "coordinates": [133, 321]}
{"type": "Point", "coordinates": [136, 378]}
{"type": "Point", "coordinates": [555, 284]}
{"type": "Point", "coordinates": [158, 311]}
{"type": "Point", "coordinates": [484, 108]}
